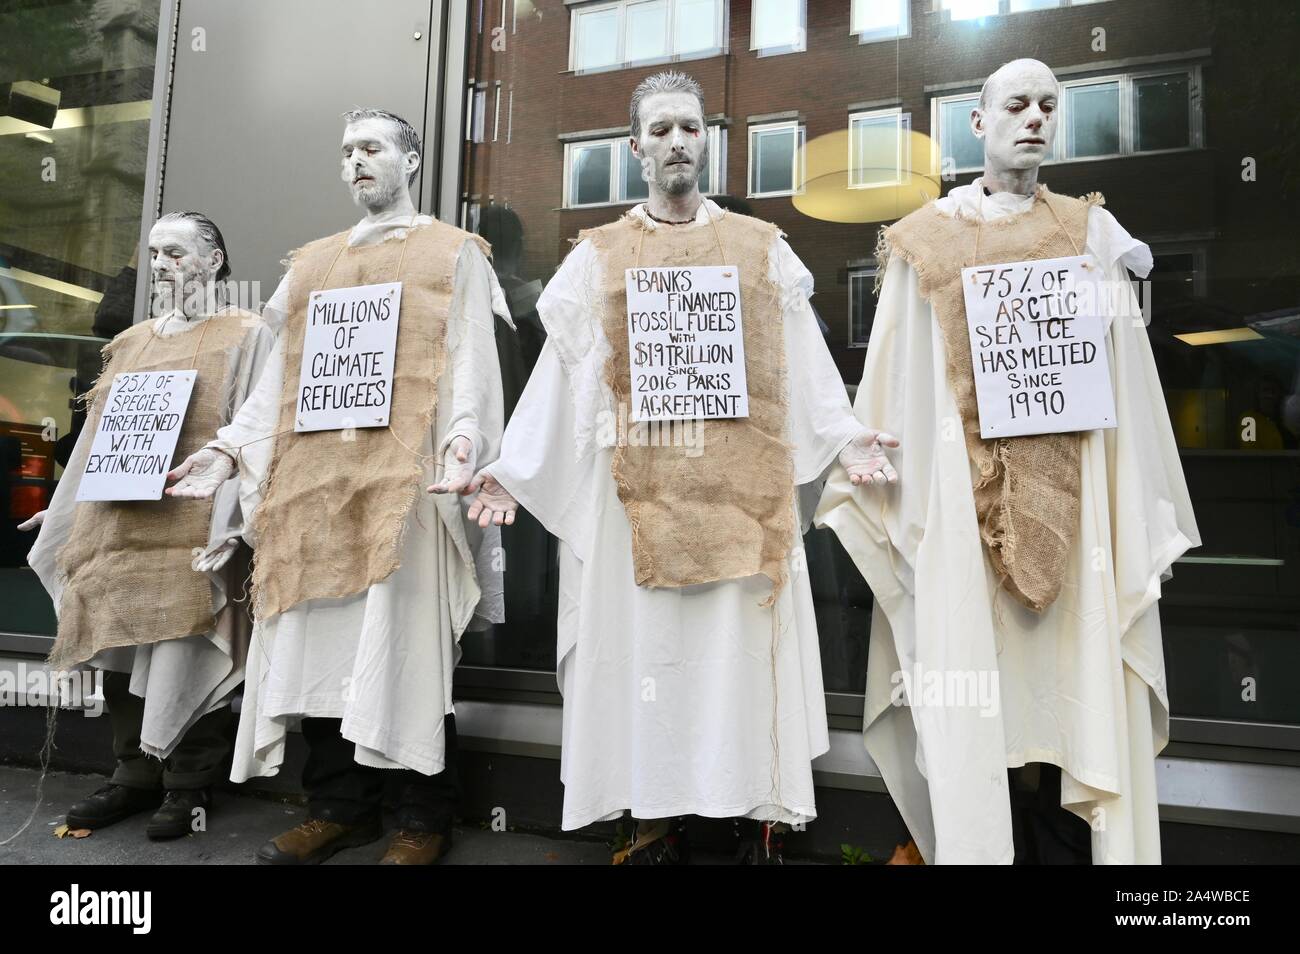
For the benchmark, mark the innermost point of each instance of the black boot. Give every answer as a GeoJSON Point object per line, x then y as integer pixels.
{"type": "Point", "coordinates": [111, 804]}
{"type": "Point", "coordinates": [176, 817]}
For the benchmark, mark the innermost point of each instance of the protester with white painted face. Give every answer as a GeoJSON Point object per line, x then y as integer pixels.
{"type": "Point", "coordinates": [688, 654]}
{"type": "Point", "coordinates": [1028, 564]}
{"type": "Point", "coordinates": [363, 583]}
{"type": "Point", "coordinates": [171, 641]}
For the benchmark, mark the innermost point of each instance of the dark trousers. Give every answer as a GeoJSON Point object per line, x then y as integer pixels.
{"type": "Point", "coordinates": [198, 760]}
{"type": "Point", "coordinates": [340, 790]}
{"type": "Point", "coordinates": [1042, 831]}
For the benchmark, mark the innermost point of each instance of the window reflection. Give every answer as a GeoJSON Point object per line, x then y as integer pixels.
{"type": "Point", "coordinates": [71, 187]}
{"type": "Point", "coordinates": [1165, 138]}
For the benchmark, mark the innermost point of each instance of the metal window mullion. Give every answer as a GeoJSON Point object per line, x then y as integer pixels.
{"type": "Point", "coordinates": [1195, 97]}
{"type": "Point", "coordinates": [615, 170]}
{"type": "Point", "coordinates": [1127, 116]}
{"type": "Point", "coordinates": [565, 197]}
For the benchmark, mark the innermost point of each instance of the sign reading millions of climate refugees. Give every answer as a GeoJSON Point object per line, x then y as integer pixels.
{"type": "Point", "coordinates": [686, 345]}
{"type": "Point", "coordinates": [137, 434]}
{"type": "Point", "coordinates": [1038, 344]}
{"type": "Point", "coordinates": [347, 358]}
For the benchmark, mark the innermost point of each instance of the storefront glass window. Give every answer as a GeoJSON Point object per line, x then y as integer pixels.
{"type": "Point", "coordinates": [1185, 168]}
{"type": "Point", "coordinates": [74, 135]}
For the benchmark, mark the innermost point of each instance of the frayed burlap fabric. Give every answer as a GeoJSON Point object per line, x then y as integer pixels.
{"type": "Point", "coordinates": [336, 502]}
{"type": "Point", "coordinates": [127, 562]}
{"type": "Point", "coordinates": [1026, 488]}
{"type": "Point", "coordinates": [726, 513]}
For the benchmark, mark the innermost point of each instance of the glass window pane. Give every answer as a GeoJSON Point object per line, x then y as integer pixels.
{"type": "Point", "coordinates": [777, 24]}
{"type": "Point", "coordinates": [706, 174]}
{"type": "Point", "coordinates": [590, 181]}
{"type": "Point", "coordinates": [647, 31]}
{"type": "Point", "coordinates": [879, 17]}
{"type": "Point", "coordinates": [632, 186]}
{"type": "Point", "coordinates": [876, 147]}
{"type": "Point", "coordinates": [595, 39]}
{"type": "Point", "coordinates": [1092, 117]}
{"type": "Point", "coordinates": [1019, 5]}
{"type": "Point", "coordinates": [862, 306]}
{"type": "Point", "coordinates": [1162, 112]}
{"type": "Point", "coordinates": [773, 161]}
{"type": "Point", "coordinates": [697, 25]}
{"type": "Point", "coordinates": [71, 189]}
{"type": "Point", "coordinates": [959, 143]}
{"type": "Point", "coordinates": [971, 9]}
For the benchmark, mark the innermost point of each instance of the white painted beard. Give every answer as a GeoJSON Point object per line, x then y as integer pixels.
{"type": "Point", "coordinates": [375, 195]}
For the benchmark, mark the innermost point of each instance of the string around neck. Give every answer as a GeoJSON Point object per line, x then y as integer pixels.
{"type": "Point", "coordinates": [717, 236]}
{"type": "Point", "coordinates": [1038, 196]}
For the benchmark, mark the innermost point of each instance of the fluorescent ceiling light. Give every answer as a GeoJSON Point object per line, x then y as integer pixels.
{"type": "Point", "coordinates": [83, 116]}
{"type": "Point", "coordinates": [1225, 336]}
{"type": "Point", "coordinates": [52, 284]}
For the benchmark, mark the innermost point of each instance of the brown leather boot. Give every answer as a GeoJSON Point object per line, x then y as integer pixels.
{"type": "Point", "coordinates": [315, 840]}
{"type": "Point", "coordinates": [416, 848]}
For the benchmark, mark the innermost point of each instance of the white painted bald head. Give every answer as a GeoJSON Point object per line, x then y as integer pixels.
{"type": "Point", "coordinates": [1017, 117]}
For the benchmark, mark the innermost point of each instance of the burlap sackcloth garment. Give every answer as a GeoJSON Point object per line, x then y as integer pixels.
{"type": "Point", "coordinates": [1026, 488]}
{"type": "Point", "coordinates": [725, 514]}
{"type": "Point", "coordinates": [336, 502]}
{"type": "Point", "coordinates": [127, 563]}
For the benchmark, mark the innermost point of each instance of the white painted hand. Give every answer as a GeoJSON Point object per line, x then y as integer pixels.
{"type": "Point", "coordinates": [214, 558]}
{"type": "Point", "coordinates": [457, 468]}
{"type": "Point", "coordinates": [864, 458]}
{"type": "Point", "coordinates": [493, 503]}
{"type": "Point", "coordinates": [34, 522]}
{"type": "Point", "coordinates": [200, 474]}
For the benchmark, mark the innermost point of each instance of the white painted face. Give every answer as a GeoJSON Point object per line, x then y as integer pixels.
{"type": "Point", "coordinates": [374, 167]}
{"type": "Point", "coordinates": [674, 144]}
{"type": "Point", "coordinates": [181, 265]}
{"type": "Point", "coordinates": [1018, 123]}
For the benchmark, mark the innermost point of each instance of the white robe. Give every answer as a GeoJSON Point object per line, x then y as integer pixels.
{"type": "Point", "coordinates": [1082, 685]}
{"type": "Point", "coordinates": [668, 693]}
{"type": "Point", "coordinates": [382, 660]}
{"type": "Point", "coordinates": [180, 680]}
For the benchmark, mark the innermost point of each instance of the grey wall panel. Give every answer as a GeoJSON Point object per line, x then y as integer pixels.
{"type": "Point", "coordinates": [254, 134]}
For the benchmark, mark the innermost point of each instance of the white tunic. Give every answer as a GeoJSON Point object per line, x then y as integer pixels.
{"type": "Point", "coordinates": [676, 701]}
{"type": "Point", "coordinates": [181, 680]}
{"type": "Point", "coordinates": [382, 660]}
{"type": "Point", "coordinates": [1082, 685]}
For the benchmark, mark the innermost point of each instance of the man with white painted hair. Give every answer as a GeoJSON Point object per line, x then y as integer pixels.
{"type": "Point", "coordinates": [1028, 564]}
{"type": "Point", "coordinates": [363, 583]}
{"type": "Point", "coordinates": [687, 644]}
{"type": "Point", "coordinates": [171, 642]}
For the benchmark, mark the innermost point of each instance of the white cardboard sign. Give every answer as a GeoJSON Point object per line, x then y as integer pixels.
{"type": "Point", "coordinates": [348, 350]}
{"type": "Point", "coordinates": [686, 344]}
{"type": "Point", "coordinates": [1038, 344]}
{"type": "Point", "coordinates": [133, 446]}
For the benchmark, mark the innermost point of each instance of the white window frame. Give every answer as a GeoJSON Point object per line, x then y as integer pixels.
{"type": "Point", "coordinates": [879, 36]}
{"type": "Point", "coordinates": [800, 45]}
{"type": "Point", "coordinates": [717, 167]}
{"type": "Point", "coordinates": [1127, 115]}
{"type": "Point", "coordinates": [476, 114]}
{"type": "Point", "coordinates": [496, 116]}
{"type": "Point", "coordinates": [936, 126]}
{"type": "Point", "coordinates": [620, 59]}
{"type": "Point", "coordinates": [1004, 9]}
{"type": "Point", "coordinates": [797, 166]}
{"type": "Point", "coordinates": [858, 274]}
{"type": "Point", "coordinates": [903, 126]}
